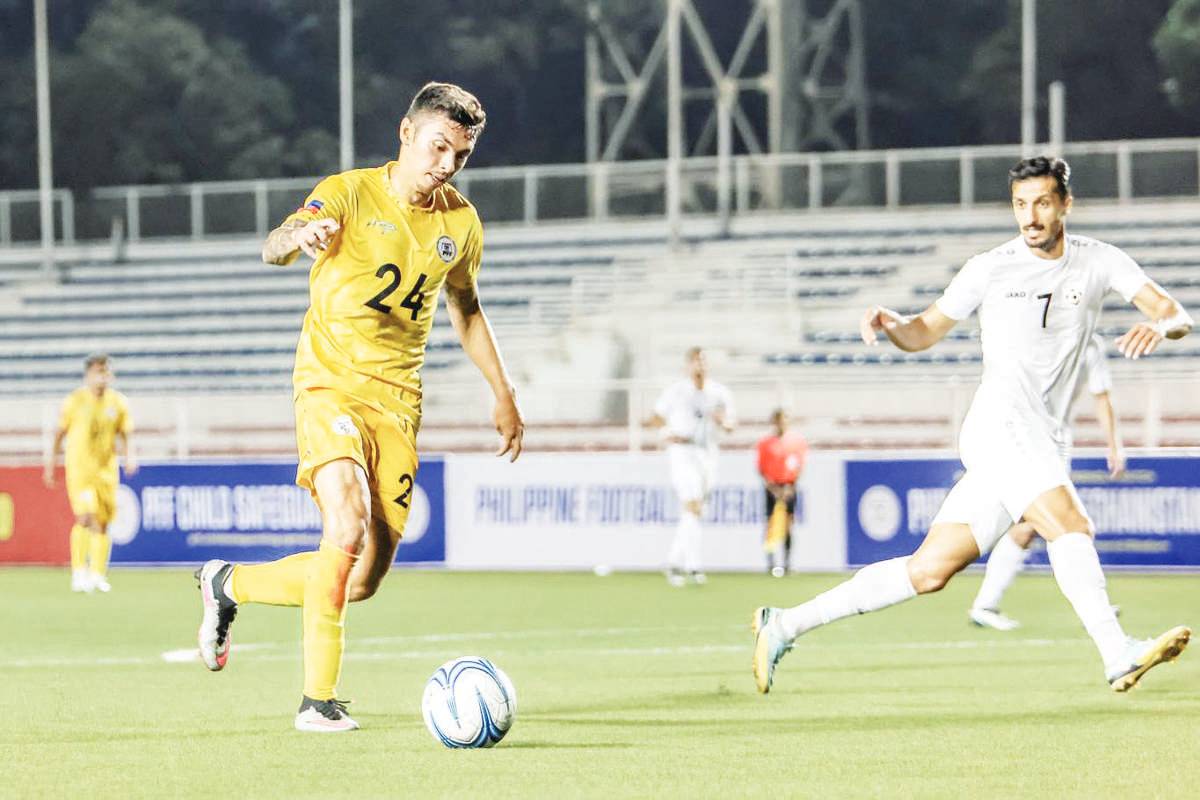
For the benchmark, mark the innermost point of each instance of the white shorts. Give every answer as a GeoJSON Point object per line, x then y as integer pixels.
{"type": "Point", "coordinates": [693, 471]}
{"type": "Point", "coordinates": [1009, 465]}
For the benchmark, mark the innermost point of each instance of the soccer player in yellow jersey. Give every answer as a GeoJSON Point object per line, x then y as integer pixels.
{"type": "Point", "coordinates": [385, 240]}
{"type": "Point", "coordinates": [93, 419]}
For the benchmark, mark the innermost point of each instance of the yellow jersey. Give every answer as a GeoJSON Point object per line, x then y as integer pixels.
{"type": "Point", "coordinates": [92, 424]}
{"type": "Point", "coordinates": [373, 292]}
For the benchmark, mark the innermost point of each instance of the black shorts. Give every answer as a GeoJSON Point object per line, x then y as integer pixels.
{"type": "Point", "coordinates": [771, 501]}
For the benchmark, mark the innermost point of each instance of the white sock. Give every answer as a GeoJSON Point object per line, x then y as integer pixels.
{"type": "Point", "coordinates": [1003, 565]}
{"type": "Point", "coordinates": [875, 586]}
{"type": "Point", "coordinates": [1077, 570]}
{"type": "Point", "coordinates": [680, 554]}
{"type": "Point", "coordinates": [689, 528]}
{"type": "Point", "coordinates": [675, 554]}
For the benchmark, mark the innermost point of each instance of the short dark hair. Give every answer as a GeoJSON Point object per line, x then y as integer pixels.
{"type": "Point", "coordinates": [692, 352]}
{"type": "Point", "coordinates": [1042, 166]}
{"type": "Point", "coordinates": [95, 359]}
{"type": "Point", "coordinates": [455, 102]}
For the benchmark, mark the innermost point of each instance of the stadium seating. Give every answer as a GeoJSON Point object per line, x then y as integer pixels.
{"type": "Point", "coordinates": [775, 299]}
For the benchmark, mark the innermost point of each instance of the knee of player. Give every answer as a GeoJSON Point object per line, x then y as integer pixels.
{"type": "Point", "coordinates": [1022, 534]}
{"type": "Point", "coordinates": [1081, 523]}
{"type": "Point", "coordinates": [347, 526]}
{"type": "Point", "coordinates": [1071, 522]}
{"type": "Point", "coordinates": [364, 589]}
{"type": "Point", "coordinates": [927, 578]}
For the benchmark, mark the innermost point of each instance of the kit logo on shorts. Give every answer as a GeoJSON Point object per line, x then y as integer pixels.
{"type": "Point", "coordinates": [344, 425]}
{"type": "Point", "coordinates": [1074, 296]}
{"type": "Point", "coordinates": [446, 249]}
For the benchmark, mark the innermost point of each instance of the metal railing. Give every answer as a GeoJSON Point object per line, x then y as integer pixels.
{"type": "Point", "coordinates": [885, 179]}
{"type": "Point", "coordinates": [834, 411]}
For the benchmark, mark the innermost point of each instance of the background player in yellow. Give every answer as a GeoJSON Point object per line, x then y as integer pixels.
{"type": "Point", "coordinates": [93, 419]}
{"type": "Point", "coordinates": [384, 240]}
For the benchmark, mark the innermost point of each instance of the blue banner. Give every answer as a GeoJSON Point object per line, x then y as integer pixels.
{"type": "Point", "coordinates": [245, 512]}
{"type": "Point", "coordinates": [1150, 517]}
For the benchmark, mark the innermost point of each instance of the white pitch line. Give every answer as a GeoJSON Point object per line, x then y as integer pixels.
{"type": "Point", "coordinates": [540, 633]}
{"type": "Point", "coordinates": [188, 654]}
{"type": "Point", "coordinates": [270, 651]}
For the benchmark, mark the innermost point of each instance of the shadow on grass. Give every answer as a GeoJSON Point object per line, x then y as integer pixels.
{"type": "Point", "coordinates": [748, 713]}
{"type": "Point", "coordinates": [906, 721]}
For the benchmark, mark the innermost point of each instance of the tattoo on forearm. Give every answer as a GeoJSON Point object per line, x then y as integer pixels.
{"type": "Point", "coordinates": [280, 244]}
{"type": "Point", "coordinates": [464, 298]}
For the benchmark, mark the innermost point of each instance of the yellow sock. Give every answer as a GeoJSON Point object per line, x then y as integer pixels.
{"type": "Point", "coordinates": [79, 546]}
{"type": "Point", "coordinates": [100, 547]}
{"type": "Point", "coordinates": [325, 593]}
{"type": "Point", "coordinates": [276, 583]}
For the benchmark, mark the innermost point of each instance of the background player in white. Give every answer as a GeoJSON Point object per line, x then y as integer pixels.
{"type": "Point", "coordinates": [691, 411]}
{"type": "Point", "coordinates": [1010, 553]}
{"type": "Point", "coordinates": [1039, 298]}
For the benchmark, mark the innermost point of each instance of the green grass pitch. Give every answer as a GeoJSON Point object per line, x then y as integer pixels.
{"type": "Point", "coordinates": [626, 688]}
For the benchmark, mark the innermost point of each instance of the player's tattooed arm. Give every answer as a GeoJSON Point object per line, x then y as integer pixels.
{"type": "Point", "coordinates": [295, 236]}
{"type": "Point", "coordinates": [463, 299]}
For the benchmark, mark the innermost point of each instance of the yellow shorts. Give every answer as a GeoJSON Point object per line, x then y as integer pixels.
{"type": "Point", "coordinates": [331, 424]}
{"type": "Point", "coordinates": [93, 495]}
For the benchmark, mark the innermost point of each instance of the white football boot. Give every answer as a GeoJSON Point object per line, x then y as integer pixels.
{"type": "Point", "coordinates": [324, 716]}
{"type": "Point", "coordinates": [770, 645]}
{"type": "Point", "coordinates": [1142, 654]}
{"type": "Point", "coordinates": [81, 581]}
{"type": "Point", "coordinates": [100, 583]}
{"type": "Point", "coordinates": [219, 611]}
{"type": "Point", "coordinates": [991, 618]}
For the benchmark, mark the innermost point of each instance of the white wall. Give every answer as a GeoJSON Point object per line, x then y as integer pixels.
{"type": "Point", "coordinates": [579, 511]}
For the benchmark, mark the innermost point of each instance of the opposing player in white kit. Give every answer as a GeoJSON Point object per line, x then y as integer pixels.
{"type": "Point", "coordinates": [1008, 557]}
{"type": "Point", "coordinates": [1039, 297]}
{"type": "Point", "coordinates": [692, 410]}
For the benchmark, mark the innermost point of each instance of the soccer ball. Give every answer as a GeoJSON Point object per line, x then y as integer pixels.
{"type": "Point", "coordinates": [469, 702]}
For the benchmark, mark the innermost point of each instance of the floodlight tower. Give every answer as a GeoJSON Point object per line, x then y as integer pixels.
{"type": "Point", "coordinates": [794, 82]}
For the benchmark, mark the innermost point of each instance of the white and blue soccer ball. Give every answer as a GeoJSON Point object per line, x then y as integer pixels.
{"type": "Point", "coordinates": [469, 702]}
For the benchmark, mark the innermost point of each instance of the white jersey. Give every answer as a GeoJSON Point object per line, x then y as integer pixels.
{"type": "Point", "coordinates": [690, 413]}
{"type": "Point", "coordinates": [1036, 319]}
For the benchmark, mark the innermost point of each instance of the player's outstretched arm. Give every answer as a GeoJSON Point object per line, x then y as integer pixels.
{"type": "Point", "coordinates": [1168, 320]}
{"type": "Point", "coordinates": [910, 334]}
{"type": "Point", "coordinates": [295, 236]}
{"type": "Point", "coordinates": [479, 341]}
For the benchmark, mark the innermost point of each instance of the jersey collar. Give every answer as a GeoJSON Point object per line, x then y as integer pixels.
{"type": "Point", "coordinates": [1047, 263]}
{"type": "Point", "coordinates": [402, 202]}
